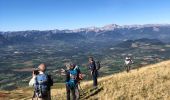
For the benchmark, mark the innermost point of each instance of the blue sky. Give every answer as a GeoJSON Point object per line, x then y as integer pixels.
{"type": "Point", "coordinates": [17, 15]}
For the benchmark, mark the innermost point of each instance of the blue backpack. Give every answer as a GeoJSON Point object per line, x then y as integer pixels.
{"type": "Point", "coordinates": [41, 85]}
{"type": "Point", "coordinates": [72, 83]}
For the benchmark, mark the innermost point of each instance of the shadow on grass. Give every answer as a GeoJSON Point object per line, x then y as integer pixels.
{"type": "Point", "coordinates": [90, 92]}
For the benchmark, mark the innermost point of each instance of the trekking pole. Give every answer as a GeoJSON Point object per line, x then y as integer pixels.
{"type": "Point", "coordinates": [81, 88]}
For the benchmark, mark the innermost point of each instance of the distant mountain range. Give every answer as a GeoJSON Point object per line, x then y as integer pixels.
{"type": "Point", "coordinates": [107, 33]}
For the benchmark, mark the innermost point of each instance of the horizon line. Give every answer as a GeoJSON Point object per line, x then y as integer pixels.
{"type": "Point", "coordinates": [60, 29]}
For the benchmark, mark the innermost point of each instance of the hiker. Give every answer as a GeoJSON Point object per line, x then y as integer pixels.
{"type": "Point", "coordinates": [93, 71]}
{"type": "Point", "coordinates": [72, 81]}
{"type": "Point", "coordinates": [79, 74]}
{"type": "Point", "coordinates": [42, 83]}
{"type": "Point", "coordinates": [128, 63]}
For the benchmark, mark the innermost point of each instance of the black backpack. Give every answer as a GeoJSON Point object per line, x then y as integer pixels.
{"type": "Point", "coordinates": [98, 65]}
{"type": "Point", "coordinates": [50, 81]}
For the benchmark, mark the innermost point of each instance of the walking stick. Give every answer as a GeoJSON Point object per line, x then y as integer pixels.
{"type": "Point", "coordinates": [81, 88]}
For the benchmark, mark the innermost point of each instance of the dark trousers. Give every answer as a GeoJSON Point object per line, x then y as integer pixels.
{"type": "Point", "coordinates": [127, 67]}
{"type": "Point", "coordinates": [74, 92]}
{"type": "Point", "coordinates": [94, 77]}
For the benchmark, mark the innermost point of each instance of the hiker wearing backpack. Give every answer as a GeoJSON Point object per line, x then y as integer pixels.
{"type": "Point", "coordinates": [72, 73]}
{"type": "Point", "coordinates": [128, 63]}
{"type": "Point", "coordinates": [94, 70]}
{"type": "Point", "coordinates": [79, 74]}
{"type": "Point", "coordinates": [42, 83]}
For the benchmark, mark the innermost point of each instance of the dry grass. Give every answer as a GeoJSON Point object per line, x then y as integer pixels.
{"type": "Point", "coordinates": [148, 83]}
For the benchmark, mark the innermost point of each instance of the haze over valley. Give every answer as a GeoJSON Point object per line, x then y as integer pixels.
{"type": "Point", "coordinates": [21, 51]}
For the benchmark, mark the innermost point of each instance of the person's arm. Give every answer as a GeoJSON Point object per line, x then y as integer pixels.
{"type": "Point", "coordinates": [78, 69]}
{"type": "Point", "coordinates": [125, 63]}
{"type": "Point", "coordinates": [32, 81]}
{"type": "Point", "coordinates": [67, 76]}
{"type": "Point", "coordinates": [63, 71]}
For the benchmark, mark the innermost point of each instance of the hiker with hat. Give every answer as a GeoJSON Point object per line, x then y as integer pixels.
{"type": "Point", "coordinates": [42, 83]}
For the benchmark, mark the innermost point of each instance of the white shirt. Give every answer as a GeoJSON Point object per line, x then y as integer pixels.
{"type": "Point", "coordinates": [32, 81]}
{"type": "Point", "coordinates": [128, 61]}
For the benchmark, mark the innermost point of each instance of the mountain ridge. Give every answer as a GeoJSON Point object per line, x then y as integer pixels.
{"type": "Point", "coordinates": [105, 27]}
{"type": "Point", "coordinates": [110, 33]}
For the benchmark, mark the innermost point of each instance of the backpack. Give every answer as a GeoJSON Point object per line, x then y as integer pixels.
{"type": "Point", "coordinates": [50, 81]}
{"type": "Point", "coordinates": [79, 74]}
{"type": "Point", "coordinates": [41, 85]}
{"type": "Point", "coordinates": [98, 65]}
{"type": "Point", "coordinates": [72, 83]}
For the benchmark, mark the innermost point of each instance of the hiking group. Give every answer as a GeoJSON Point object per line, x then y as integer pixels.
{"type": "Point", "coordinates": [42, 82]}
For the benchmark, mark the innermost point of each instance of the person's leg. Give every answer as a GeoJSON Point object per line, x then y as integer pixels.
{"type": "Point", "coordinates": [73, 94]}
{"type": "Point", "coordinates": [45, 96]}
{"type": "Point", "coordinates": [77, 93]}
{"type": "Point", "coordinates": [68, 92]}
{"type": "Point", "coordinates": [35, 97]}
{"type": "Point", "coordinates": [94, 79]}
{"type": "Point", "coordinates": [40, 99]}
{"type": "Point", "coordinates": [128, 68]}
{"type": "Point", "coordinates": [49, 95]}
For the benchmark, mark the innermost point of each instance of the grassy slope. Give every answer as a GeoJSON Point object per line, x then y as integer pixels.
{"type": "Point", "coordinates": [148, 83]}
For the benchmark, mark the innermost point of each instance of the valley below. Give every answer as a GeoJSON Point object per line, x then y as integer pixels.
{"type": "Point", "coordinates": [21, 52]}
